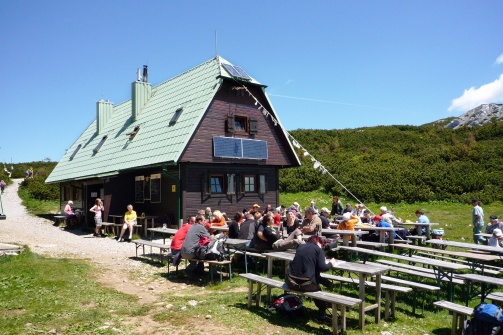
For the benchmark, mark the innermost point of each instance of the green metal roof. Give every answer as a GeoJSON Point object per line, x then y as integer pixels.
{"type": "Point", "coordinates": [157, 141]}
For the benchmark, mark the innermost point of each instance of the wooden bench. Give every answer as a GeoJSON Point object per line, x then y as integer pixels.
{"type": "Point", "coordinates": [459, 314]}
{"type": "Point", "coordinates": [416, 287]}
{"type": "Point", "coordinates": [338, 302]}
{"type": "Point", "coordinates": [390, 291]}
{"type": "Point", "coordinates": [119, 227]}
{"type": "Point", "coordinates": [105, 226]}
{"type": "Point", "coordinates": [249, 252]}
{"type": "Point", "coordinates": [142, 243]}
{"type": "Point", "coordinates": [214, 264]}
{"type": "Point", "coordinates": [60, 219]}
{"type": "Point", "coordinates": [495, 297]}
{"type": "Point", "coordinates": [417, 238]}
{"type": "Point", "coordinates": [377, 245]}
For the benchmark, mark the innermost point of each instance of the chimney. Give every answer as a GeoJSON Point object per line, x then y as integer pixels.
{"type": "Point", "coordinates": [104, 111]}
{"type": "Point", "coordinates": [141, 91]}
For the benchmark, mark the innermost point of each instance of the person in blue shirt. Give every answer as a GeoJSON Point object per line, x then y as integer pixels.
{"type": "Point", "coordinates": [383, 223]}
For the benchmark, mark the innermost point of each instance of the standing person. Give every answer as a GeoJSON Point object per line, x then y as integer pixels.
{"type": "Point", "coordinates": [129, 222]}
{"type": "Point", "coordinates": [477, 221]}
{"type": "Point", "coordinates": [2, 186]}
{"type": "Point", "coordinates": [304, 272]}
{"type": "Point", "coordinates": [336, 206]}
{"type": "Point", "coordinates": [97, 209]}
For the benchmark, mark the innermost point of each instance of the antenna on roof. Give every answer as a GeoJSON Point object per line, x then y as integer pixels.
{"type": "Point", "coordinates": [216, 43]}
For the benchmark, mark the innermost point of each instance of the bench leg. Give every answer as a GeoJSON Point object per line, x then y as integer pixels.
{"type": "Point", "coordinates": [335, 321]}
{"type": "Point", "coordinates": [250, 293]}
{"type": "Point", "coordinates": [387, 304]}
{"type": "Point", "coordinates": [454, 323]}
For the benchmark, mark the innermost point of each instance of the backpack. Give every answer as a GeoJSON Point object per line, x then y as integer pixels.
{"type": "Point", "coordinates": [288, 304]}
{"type": "Point", "coordinates": [214, 250]}
{"type": "Point", "coordinates": [487, 320]}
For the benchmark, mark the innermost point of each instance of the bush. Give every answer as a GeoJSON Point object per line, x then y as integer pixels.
{"type": "Point", "coordinates": [39, 190]}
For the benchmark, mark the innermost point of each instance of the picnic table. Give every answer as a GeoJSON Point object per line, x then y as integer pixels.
{"type": "Point", "coordinates": [441, 269]}
{"type": "Point", "coordinates": [219, 228]}
{"type": "Point", "coordinates": [144, 222]}
{"type": "Point", "coordinates": [345, 235]}
{"type": "Point", "coordinates": [383, 231]}
{"type": "Point", "coordinates": [475, 260]}
{"type": "Point", "coordinates": [467, 245]}
{"type": "Point", "coordinates": [484, 281]}
{"type": "Point", "coordinates": [363, 270]}
{"type": "Point", "coordinates": [165, 231]}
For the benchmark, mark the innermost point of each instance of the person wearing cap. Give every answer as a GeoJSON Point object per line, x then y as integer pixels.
{"type": "Point", "coordinates": [497, 239]}
{"type": "Point", "coordinates": [494, 223]}
{"type": "Point", "coordinates": [313, 206]}
{"type": "Point", "coordinates": [324, 218]}
{"type": "Point", "coordinates": [336, 206]}
{"type": "Point", "coordinates": [380, 222]}
{"type": "Point", "coordinates": [477, 221]}
{"type": "Point", "coordinates": [312, 222]}
{"type": "Point", "coordinates": [296, 206]}
{"type": "Point", "coordinates": [366, 218]}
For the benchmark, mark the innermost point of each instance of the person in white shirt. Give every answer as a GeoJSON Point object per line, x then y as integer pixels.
{"type": "Point", "coordinates": [497, 239]}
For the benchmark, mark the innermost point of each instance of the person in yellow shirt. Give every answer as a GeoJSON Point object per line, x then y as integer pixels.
{"type": "Point", "coordinates": [129, 222]}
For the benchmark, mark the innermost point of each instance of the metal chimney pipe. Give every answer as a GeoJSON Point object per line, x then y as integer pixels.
{"type": "Point", "coordinates": [145, 73]}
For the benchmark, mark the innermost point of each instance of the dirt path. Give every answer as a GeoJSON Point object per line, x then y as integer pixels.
{"type": "Point", "coordinates": [114, 266]}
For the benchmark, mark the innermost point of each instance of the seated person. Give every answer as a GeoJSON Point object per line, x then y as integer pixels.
{"type": "Point", "coordinates": [291, 222]}
{"type": "Point", "coordinates": [190, 245]}
{"type": "Point", "coordinates": [324, 218]}
{"type": "Point", "coordinates": [348, 222]}
{"type": "Point", "coordinates": [248, 228]}
{"type": "Point", "coordinates": [312, 223]}
{"type": "Point", "coordinates": [304, 272]}
{"type": "Point", "coordinates": [70, 215]}
{"type": "Point", "coordinates": [268, 238]}
{"type": "Point", "coordinates": [366, 218]}
{"type": "Point", "coordinates": [179, 237]}
{"type": "Point", "coordinates": [348, 209]}
{"type": "Point", "coordinates": [235, 225]}
{"type": "Point", "coordinates": [129, 222]}
{"type": "Point", "coordinates": [217, 219]}
{"type": "Point", "coordinates": [497, 239]}
{"type": "Point", "coordinates": [383, 223]}
{"type": "Point", "coordinates": [494, 223]}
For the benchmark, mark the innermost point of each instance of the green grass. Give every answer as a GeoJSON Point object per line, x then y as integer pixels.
{"type": "Point", "coordinates": [38, 207]}
{"type": "Point", "coordinates": [41, 295]}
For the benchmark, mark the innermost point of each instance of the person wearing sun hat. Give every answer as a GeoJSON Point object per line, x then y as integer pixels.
{"type": "Point", "coordinates": [497, 239]}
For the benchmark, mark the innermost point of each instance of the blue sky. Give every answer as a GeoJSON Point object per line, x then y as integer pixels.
{"type": "Point", "coordinates": [326, 64]}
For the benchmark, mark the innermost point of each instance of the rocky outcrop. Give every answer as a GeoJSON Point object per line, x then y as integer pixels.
{"type": "Point", "coordinates": [479, 116]}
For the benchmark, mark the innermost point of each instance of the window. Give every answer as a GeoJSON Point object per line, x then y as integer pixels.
{"type": "Point", "coordinates": [175, 117]}
{"type": "Point", "coordinates": [134, 132]}
{"type": "Point", "coordinates": [95, 150]}
{"type": "Point", "coordinates": [216, 184]}
{"type": "Point", "coordinates": [249, 184]}
{"type": "Point", "coordinates": [240, 123]}
{"type": "Point", "coordinates": [75, 152]}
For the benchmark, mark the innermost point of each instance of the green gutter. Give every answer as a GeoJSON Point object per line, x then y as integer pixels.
{"type": "Point", "coordinates": [178, 191]}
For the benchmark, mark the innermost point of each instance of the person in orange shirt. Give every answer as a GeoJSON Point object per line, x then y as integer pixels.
{"type": "Point", "coordinates": [348, 222]}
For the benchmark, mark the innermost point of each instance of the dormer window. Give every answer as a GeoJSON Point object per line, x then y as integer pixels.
{"type": "Point", "coordinates": [95, 150]}
{"type": "Point", "coordinates": [75, 152]}
{"type": "Point", "coordinates": [175, 117]}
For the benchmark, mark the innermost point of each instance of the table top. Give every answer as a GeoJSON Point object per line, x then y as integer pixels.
{"type": "Point", "coordinates": [343, 232]}
{"type": "Point", "coordinates": [115, 216]}
{"type": "Point", "coordinates": [416, 259]}
{"type": "Point", "coordinates": [169, 231]}
{"type": "Point", "coordinates": [220, 228]}
{"type": "Point", "coordinates": [369, 269]}
{"type": "Point", "coordinates": [481, 278]}
{"type": "Point", "coordinates": [468, 255]}
{"type": "Point", "coordinates": [466, 245]}
{"type": "Point", "coordinates": [147, 217]}
{"type": "Point", "coordinates": [379, 228]}
{"type": "Point", "coordinates": [483, 235]}
{"type": "Point", "coordinates": [418, 224]}
{"type": "Point", "coordinates": [235, 241]}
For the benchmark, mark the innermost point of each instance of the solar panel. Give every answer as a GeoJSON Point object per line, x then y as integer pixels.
{"type": "Point", "coordinates": [236, 71]}
{"type": "Point", "coordinates": [229, 147]}
{"type": "Point", "coordinates": [254, 149]}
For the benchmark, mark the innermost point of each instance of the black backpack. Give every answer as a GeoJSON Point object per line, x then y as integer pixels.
{"type": "Point", "coordinates": [214, 250]}
{"type": "Point", "coordinates": [288, 304]}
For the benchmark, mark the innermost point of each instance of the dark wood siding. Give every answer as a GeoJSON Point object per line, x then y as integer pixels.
{"type": "Point", "coordinates": [230, 101]}
{"type": "Point", "coordinates": [195, 198]}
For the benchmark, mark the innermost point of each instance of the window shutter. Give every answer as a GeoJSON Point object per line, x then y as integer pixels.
{"type": "Point", "coordinates": [231, 184]}
{"type": "Point", "coordinates": [230, 123]}
{"type": "Point", "coordinates": [205, 184]}
{"type": "Point", "coordinates": [262, 184]}
{"type": "Point", "coordinates": [253, 126]}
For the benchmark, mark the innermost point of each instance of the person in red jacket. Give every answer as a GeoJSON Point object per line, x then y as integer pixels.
{"type": "Point", "coordinates": [176, 243]}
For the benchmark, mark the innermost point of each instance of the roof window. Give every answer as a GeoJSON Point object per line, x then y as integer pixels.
{"type": "Point", "coordinates": [134, 132]}
{"type": "Point", "coordinates": [95, 150]}
{"type": "Point", "coordinates": [75, 152]}
{"type": "Point", "coordinates": [175, 117]}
